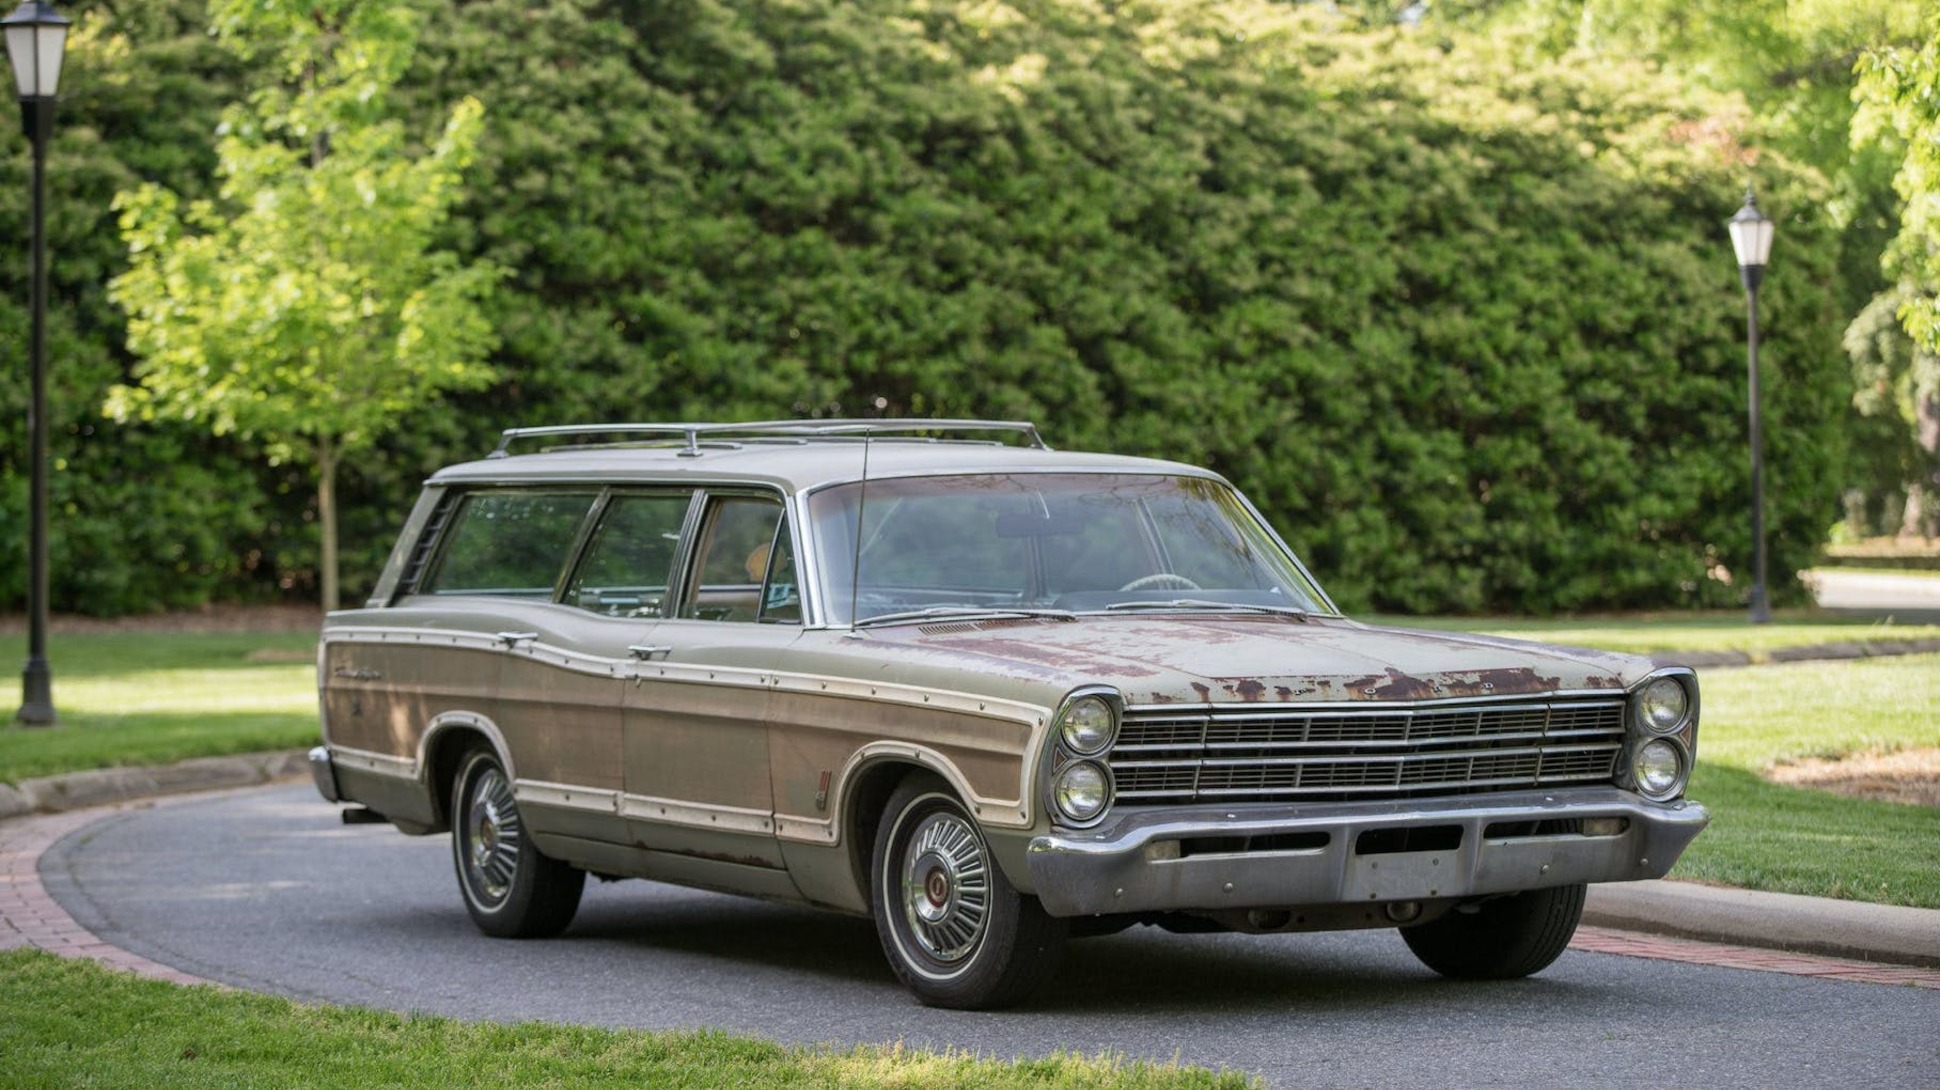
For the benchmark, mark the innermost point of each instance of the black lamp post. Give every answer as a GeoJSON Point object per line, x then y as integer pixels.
{"type": "Point", "coordinates": [36, 43]}
{"type": "Point", "coordinates": [1751, 237]}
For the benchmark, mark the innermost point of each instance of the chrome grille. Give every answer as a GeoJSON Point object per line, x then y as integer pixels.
{"type": "Point", "coordinates": [1251, 754]}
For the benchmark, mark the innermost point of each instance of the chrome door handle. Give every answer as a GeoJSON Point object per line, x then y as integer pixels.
{"type": "Point", "coordinates": [646, 651]}
{"type": "Point", "coordinates": [510, 639]}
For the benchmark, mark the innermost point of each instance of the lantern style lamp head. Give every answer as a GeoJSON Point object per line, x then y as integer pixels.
{"type": "Point", "coordinates": [36, 43]}
{"type": "Point", "coordinates": [1751, 236]}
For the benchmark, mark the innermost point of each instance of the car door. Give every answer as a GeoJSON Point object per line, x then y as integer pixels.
{"type": "Point", "coordinates": [566, 665]}
{"type": "Point", "coordinates": [696, 730]}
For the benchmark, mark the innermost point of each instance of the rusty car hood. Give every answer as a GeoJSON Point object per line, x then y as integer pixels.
{"type": "Point", "coordinates": [1199, 658]}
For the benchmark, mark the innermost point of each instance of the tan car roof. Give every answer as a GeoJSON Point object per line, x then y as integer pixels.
{"type": "Point", "coordinates": [795, 465]}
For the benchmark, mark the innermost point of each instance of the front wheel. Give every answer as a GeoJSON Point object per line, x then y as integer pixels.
{"type": "Point", "coordinates": [1502, 939]}
{"type": "Point", "coordinates": [955, 930]}
{"type": "Point", "coordinates": [511, 889]}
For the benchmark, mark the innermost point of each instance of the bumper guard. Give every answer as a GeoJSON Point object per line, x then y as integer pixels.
{"type": "Point", "coordinates": [324, 775]}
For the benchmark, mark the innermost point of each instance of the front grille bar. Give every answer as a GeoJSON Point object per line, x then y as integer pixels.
{"type": "Point", "coordinates": [1165, 757]}
{"type": "Point", "coordinates": [1216, 747]}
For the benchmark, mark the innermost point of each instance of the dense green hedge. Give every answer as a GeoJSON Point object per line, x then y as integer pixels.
{"type": "Point", "coordinates": [1470, 334]}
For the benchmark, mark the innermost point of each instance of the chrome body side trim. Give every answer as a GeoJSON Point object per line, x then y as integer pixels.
{"type": "Point", "coordinates": [727, 819]}
{"type": "Point", "coordinates": [995, 813]}
{"type": "Point", "coordinates": [662, 670]}
{"type": "Point", "coordinates": [564, 796]}
{"type": "Point", "coordinates": [471, 721]}
{"type": "Point", "coordinates": [525, 646]}
{"type": "Point", "coordinates": [380, 764]}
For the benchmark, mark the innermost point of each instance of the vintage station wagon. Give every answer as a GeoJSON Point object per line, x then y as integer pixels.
{"type": "Point", "coordinates": [990, 694]}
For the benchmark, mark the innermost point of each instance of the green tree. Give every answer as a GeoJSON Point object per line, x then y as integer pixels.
{"type": "Point", "coordinates": [1458, 314]}
{"type": "Point", "coordinates": [1899, 96]}
{"type": "Point", "coordinates": [306, 308]}
{"type": "Point", "coordinates": [1896, 384]}
{"type": "Point", "coordinates": [1793, 61]}
{"type": "Point", "coordinates": [1899, 106]}
{"type": "Point", "coordinates": [1465, 325]}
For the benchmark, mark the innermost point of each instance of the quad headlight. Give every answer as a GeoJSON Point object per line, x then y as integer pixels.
{"type": "Point", "coordinates": [1087, 725]}
{"type": "Point", "coordinates": [1078, 784]}
{"type": "Point", "coordinates": [1082, 791]}
{"type": "Point", "coordinates": [1663, 735]}
{"type": "Point", "coordinates": [1658, 769]}
{"type": "Point", "coordinates": [1664, 705]}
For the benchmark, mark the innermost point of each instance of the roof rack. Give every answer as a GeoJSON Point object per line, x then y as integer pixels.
{"type": "Point", "coordinates": [693, 436]}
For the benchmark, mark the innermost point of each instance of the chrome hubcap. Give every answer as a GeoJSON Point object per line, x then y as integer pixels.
{"type": "Point", "coordinates": [493, 834]}
{"type": "Point", "coordinates": [946, 887]}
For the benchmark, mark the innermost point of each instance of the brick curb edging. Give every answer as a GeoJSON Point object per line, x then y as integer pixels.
{"type": "Point", "coordinates": [31, 919]}
{"type": "Point", "coordinates": [1602, 940]}
{"type": "Point", "coordinates": [105, 786]}
{"type": "Point", "coordinates": [1783, 924]}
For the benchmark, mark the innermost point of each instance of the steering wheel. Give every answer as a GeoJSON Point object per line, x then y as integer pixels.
{"type": "Point", "coordinates": [1163, 580]}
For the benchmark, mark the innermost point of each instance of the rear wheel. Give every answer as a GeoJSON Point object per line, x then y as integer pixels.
{"type": "Point", "coordinates": [955, 930]}
{"type": "Point", "coordinates": [511, 889]}
{"type": "Point", "coordinates": [1501, 939]}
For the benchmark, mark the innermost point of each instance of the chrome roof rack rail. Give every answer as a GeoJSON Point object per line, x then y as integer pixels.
{"type": "Point", "coordinates": [694, 436]}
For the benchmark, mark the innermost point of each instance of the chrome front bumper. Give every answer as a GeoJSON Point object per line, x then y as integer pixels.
{"type": "Point", "coordinates": [1193, 858]}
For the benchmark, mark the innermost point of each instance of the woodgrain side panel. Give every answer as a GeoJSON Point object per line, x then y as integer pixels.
{"type": "Point", "coordinates": [379, 697]}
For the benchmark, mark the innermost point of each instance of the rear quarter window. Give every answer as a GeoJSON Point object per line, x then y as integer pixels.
{"type": "Point", "coordinates": [510, 544]}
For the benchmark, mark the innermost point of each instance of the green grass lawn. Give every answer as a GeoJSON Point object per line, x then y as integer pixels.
{"type": "Point", "coordinates": [1766, 836]}
{"type": "Point", "coordinates": [1708, 631]}
{"type": "Point", "coordinates": [153, 698]}
{"type": "Point", "coordinates": [69, 1023]}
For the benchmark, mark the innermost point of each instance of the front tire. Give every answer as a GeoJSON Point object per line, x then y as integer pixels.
{"type": "Point", "coordinates": [512, 890]}
{"type": "Point", "coordinates": [1502, 939]}
{"type": "Point", "coordinates": [954, 929]}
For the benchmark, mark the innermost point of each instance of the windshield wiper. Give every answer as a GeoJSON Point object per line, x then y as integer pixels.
{"type": "Point", "coordinates": [962, 613]}
{"type": "Point", "coordinates": [1201, 603]}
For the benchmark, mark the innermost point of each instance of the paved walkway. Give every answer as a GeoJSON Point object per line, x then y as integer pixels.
{"type": "Point", "coordinates": [1907, 599]}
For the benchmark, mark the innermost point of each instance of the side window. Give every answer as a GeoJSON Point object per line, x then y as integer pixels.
{"type": "Point", "coordinates": [781, 595]}
{"type": "Point", "coordinates": [737, 536]}
{"type": "Point", "coordinates": [511, 544]}
{"type": "Point", "coordinates": [631, 555]}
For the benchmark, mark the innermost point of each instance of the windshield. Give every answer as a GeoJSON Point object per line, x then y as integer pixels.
{"type": "Point", "coordinates": [1069, 542]}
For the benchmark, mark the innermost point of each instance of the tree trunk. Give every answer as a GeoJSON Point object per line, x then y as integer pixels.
{"type": "Point", "coordinates": [327, 520]}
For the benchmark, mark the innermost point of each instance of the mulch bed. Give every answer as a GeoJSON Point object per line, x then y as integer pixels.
{"type": "Point", "coordinates": [1910, 776]}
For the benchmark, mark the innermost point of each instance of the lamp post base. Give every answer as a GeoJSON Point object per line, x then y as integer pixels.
{"type": "Point", "coordinates": [37, 694]}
